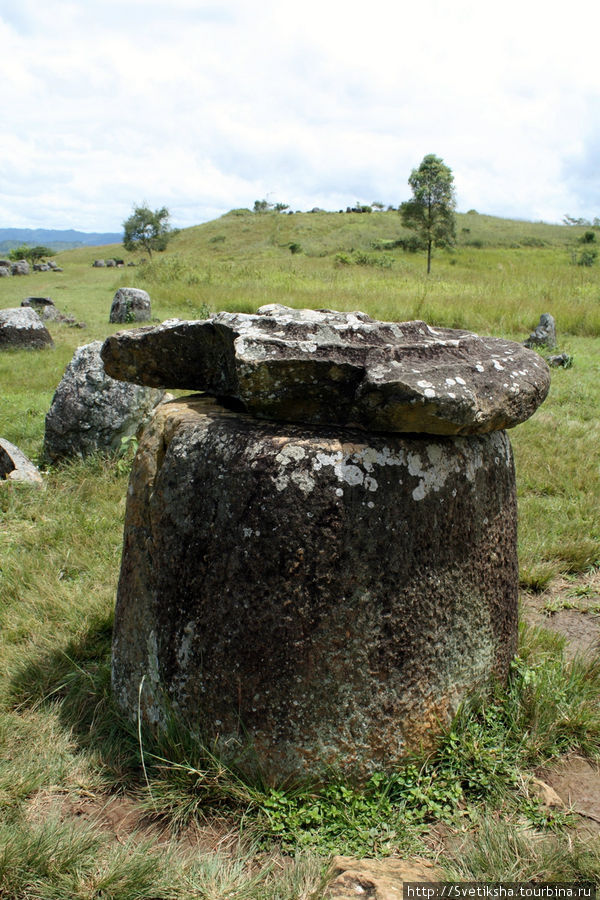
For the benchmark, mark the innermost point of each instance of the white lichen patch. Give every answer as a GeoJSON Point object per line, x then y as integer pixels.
{"type": "Point", "coordinates": [290, 453]}
{"type": "Point", "coordinates": [356, 468]}
{"type": "Point", "coordinates": [434, 472]}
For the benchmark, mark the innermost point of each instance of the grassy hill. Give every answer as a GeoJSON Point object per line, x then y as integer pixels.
{"type": "Point", "coordinates": [499, 278]}
{"type": "Point", "coordinates": [62, 739]}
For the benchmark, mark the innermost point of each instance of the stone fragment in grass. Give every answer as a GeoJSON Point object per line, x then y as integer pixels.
{"type": "Point", "coordinates": [91, 411]}
{"type": "Point", "coordinates": [330, 368]}
{"type": "Point", "coordinates": [378, 879]}
{"type": "Point", "coordinates": [544, 334]}
{"type": "Point", "coordinates": [47, 310]}
{"type": "Point", "coordinates": [15, 466]}
{"type": "Point", "coordinates": [22, 329]}
{"type": "Point", "coordinates": [560, 360]}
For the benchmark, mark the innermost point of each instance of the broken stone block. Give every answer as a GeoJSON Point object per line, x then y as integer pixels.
{"type": "Point", "coordinates": [323, 367]}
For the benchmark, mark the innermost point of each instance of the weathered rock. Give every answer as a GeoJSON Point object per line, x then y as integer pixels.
{"type": "Point", "coordinates": [544, 334]}
{"type": "Point", "coordinates": [21, 328]}
{"type": "Point", "coordinates": [110, 263]}
{"type": "Point", "coordinates": [5, 271]}
{"type": "Point", "coordinates": [91, 411]}
{"type": "Point", "coordinates": [47, 311]}
{"type": "Point", "coordinates": [38, 303]}
{"type": "Point", "coordinates": [377, 879]}
{"type": "Point", "coordinates": [21, 267]}
{"type": "Point", "coordinates": [14, 465]}
{"type": "Point", "coordinates": [323, 367]}
{"type": "Point", "coordinates": [130, 305]}
{"type": "Point", "coordinates": [560, 360]}
{"type": "Point", "coordinates": [307, 598]}
{"type": "Point", "coordinates": [99, 264]}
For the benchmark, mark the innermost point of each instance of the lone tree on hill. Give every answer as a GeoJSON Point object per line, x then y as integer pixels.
{"type": "Point", "coordinates": [431, 211]}
{"type": "Point", "coordinates": [147, 230]}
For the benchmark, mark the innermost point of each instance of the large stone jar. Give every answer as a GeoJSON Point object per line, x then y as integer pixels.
{"type": "Point", "coordinates": [308, 599]}
{"type": "Point", "coordinates": [319, 594]}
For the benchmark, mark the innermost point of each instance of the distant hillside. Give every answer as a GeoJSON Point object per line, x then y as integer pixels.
{"type": "Point", "coordinates": [55, 239]}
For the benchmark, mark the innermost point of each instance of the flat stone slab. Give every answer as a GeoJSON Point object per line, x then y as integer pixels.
{"type": "Point", "coordinates": [326, 367]}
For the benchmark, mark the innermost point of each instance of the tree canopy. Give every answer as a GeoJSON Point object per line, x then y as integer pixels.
{"type": "Point", "coordinates": [430, 213]}
{"type": "Point", "coordinates": [147, 230]}
{"type": "Point", "coordinates": [31, 254]}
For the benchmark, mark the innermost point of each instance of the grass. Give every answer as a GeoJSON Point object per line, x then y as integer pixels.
{"type": "Point", "coordinates": [59, 561]}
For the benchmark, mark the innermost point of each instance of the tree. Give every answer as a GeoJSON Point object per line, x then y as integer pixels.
{"type": "Point", "coordinates": [263, 206]}
{"type": "Point", "coordinates": [31, 254]}
{"type": "Point", "coordinates": [431, 211]}
{"type": "Point", "coordinates": [147, 230]}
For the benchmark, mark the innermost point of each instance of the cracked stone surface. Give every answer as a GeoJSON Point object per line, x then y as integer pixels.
{"type": "Point", "coordinates": [326, 367]}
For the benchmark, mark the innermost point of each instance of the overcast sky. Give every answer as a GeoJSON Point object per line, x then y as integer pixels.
{"type": "Point", "coordinates": [207, 106]}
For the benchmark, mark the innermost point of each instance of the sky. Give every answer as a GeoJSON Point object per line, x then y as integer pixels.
{"type": "Point", "coordinates": [208, 106]}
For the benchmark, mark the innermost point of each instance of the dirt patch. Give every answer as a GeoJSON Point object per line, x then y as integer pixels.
{"type": "Point", "coordinates": [570, 606]}
{"type": "Point", "coordinates": [123, 818]}
{"type": "Point", "coordinates": [577, 782]}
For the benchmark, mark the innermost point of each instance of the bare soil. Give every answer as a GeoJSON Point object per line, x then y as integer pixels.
{"type": "Point", "coordinates": [570, 607]}
{"type": "Point", "coordinates": [122, 818]}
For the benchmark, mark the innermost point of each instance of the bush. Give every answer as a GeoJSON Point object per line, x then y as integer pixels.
{"type": "Point", "coordinates": [587, 258]}
{"type": "Point", "coordinates": [343, 259]}
{"type": "Point", "coordinates": [361, 258]}
{"type": "Point", "coordinates": [386, 244]}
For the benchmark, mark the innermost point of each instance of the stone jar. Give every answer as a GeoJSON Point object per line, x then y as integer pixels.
{"type": "Point", "coordinates": [312, 599]}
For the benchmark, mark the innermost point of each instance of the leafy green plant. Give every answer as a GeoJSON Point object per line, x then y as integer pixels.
{"type": "Point", "coordinates": [147, 230]}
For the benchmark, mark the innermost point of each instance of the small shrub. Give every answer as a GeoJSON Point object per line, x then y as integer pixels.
{"type": "Point", "coordinates": [361, 258]}
{"type": "Point", "coordinates": [532, 242]}
{"type": "Point", "coordinates": [385, 244]}
{"type": "Point", "coordinates": [381, 260]}
{"type": "Point", "coordinates": [295, 247]}
{"type": "Point", "coordinates": [217, 239]}
{"type": "Point", "coordinates": [343, 259]}
{"type": "Point", "coordinates": [411, 244]}
{"type": "Point", "coordinates": [588, 237]}
{"type": "Point", "coordinates": [587, 258]}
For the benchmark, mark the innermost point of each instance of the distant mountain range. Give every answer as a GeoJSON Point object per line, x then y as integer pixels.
{"type": "Point", "coordinates": [54, 239]}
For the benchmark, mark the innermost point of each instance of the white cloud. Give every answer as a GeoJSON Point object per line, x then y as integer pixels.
{"type": "Point", "coordinates": [204, 107]}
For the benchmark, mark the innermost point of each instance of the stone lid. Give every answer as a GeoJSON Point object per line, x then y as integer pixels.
{"type": "Point", "coordinates": [347, 369]}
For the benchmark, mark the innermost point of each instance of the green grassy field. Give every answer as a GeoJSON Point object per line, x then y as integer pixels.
{"type": "Point", "coordinates": [60, 733]}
